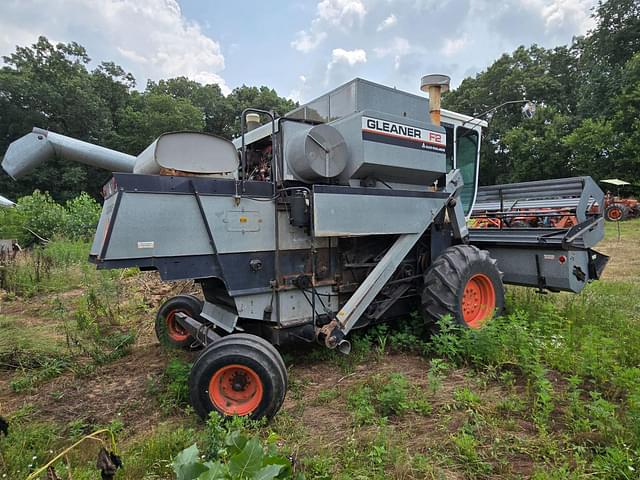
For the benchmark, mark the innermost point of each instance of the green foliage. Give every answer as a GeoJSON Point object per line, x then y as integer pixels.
{"type": "Point", "coordinates": [51, 87]}
{"type": "Point", "coordinates": [148, 115]}
{"type": "Point", "coordinates": [83, 213]}
{"type": "Point", "coordinates": [38, 217]}
{"type": "Point", "coordinates": [385, 396]}
{"type": "Point", "coordinates": [362, 409]}
{"type": "Point", "coordinates": [175, 394]}
{"type": "Point", "coordinates": [393, 396]}
{"type": "Point", "coordinates": [236, 456]}
{"type": "Point", "coordinates": [588, 104]}
{"type": "Point", "coordinates": [26, 446]}
{"type": "Point", "coordinates": [41, 216]}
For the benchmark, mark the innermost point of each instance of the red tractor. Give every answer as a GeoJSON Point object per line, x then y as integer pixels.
{"type": "Point", "coordinates": [617, 208]}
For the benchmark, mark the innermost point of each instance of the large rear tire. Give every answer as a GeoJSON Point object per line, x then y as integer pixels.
{"type": "Point", "coordinates": [465, 283]}
{"type": "Point", "coordinates": [240, 375]}
{"type": "Point", "coordinates": [169, 332]}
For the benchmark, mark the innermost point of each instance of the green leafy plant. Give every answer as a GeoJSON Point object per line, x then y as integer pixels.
{"type": "Point", "coordinates": [392, 399]}
{"type": "Point", "coordinates": [362, 409]}
{"type": "Point", "coordinates": [240, 457]}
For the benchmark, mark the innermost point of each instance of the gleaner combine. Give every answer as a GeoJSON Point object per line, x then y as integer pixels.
{"type": "Point", "coordinates": [348, 211]}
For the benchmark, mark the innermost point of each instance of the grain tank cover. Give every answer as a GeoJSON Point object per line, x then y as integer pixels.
{"type": "Point", "coordinates": [191, 152]}
{"type": "Point", "coordinates": [317, 153]}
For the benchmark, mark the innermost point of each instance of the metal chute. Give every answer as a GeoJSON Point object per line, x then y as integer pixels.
{"type": "Point", "coordinates": [35, 148]}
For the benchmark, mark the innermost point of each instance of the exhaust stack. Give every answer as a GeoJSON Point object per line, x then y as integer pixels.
{"type": "Point", "coordinates": [35, 148]}
{"type": "Point", "coordinates": [435, 85]}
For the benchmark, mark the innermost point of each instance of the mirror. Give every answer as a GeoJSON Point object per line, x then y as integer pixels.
{"type": "Point", "coordinates": [528, 110]}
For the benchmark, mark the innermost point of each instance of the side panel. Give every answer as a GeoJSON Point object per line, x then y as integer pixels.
{"type": "Point", "coordinates": [295, 305]}
{"type": "Point", "coordinates": [550, 269]}
{"type": "Point", "coordinates": [165, 224]}
{"type": "Point", "coordinates": [343, 211]}
{"type": "Point", "coordinates": [103, 225]}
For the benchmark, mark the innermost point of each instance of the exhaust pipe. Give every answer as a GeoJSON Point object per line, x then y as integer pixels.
{"type": "Point", "coordinates": [35, 148]}
{"type": "Point", "coordinates": [435, 84]}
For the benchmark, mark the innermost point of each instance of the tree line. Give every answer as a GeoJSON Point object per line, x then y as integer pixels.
{"type": "Point", "coordinates": [588, 97]}
{"type": "Point", "coordinates": [52, 87]}
{"type": "Point", "coordinates": [587, 121]}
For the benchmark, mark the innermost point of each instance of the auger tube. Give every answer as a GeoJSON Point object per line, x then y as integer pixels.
{"type": "Point", "coordinates": [35, 148]}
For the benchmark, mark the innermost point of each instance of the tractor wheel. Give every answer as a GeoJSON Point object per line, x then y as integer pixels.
{"type": "Point", "coordinates": [169, 332]}
{"type": "Point", "coordinates": [240, 375]}
{"type": "Point", "coordinates": [463, 282]}
{"type": "Point", "coordinates": [615, 212]}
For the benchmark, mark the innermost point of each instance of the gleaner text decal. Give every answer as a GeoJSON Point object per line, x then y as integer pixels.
{"type": "Point", "coordinates": [376, 130]}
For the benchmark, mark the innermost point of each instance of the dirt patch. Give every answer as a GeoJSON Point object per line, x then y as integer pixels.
{"type": "Point", "coordinates": [115, 391]}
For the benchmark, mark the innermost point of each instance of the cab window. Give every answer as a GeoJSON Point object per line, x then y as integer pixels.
{"type": "Point", "coordinates": [448, 151]}
{"type": "Point", "coordinates": [466, 160]}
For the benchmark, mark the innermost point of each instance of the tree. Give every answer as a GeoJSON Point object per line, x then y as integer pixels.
{"type": "Point", "coordinates": [208, 98]}
{"type": "Point", "coordinates": [222, 114]}
{"type": "Point", "coordinates": [148, 115]}
{"type": "Point", "coordinates": [547, 77]}
{"type": "Point", "coordinates": [605, 52]}
{"type": "Point", "coordinates": [49, 86]}
{"type": "Point", "coordinates": [264, 98]}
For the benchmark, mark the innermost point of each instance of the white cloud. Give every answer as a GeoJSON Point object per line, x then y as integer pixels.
{"type": "Point", "coordinates": [307, 41]}
{"type": "Point", "coordinates": [453, 45]}
{"type": "Point", "coordinates": [153, 38]}
{"type": "Point", "coordinates": [297, 93]}
{"type": "Point", "coordinates": [342, 13]}
{"type": "Point", "coordinates": [399, 47]}
{"type": "Point", "coordinates": [349, 57]}
{"type": "Point", "coordinates": [388, 22]}
{"type": "Point", "coordinates": [559, 14]}
{"type": "Point", "coordinates": [340, 67]}
{"type": "Point", "coordinates": [330, 14]}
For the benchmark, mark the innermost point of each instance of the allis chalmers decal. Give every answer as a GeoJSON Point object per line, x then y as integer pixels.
{"type": "Point", "coordinates": [383, 131]}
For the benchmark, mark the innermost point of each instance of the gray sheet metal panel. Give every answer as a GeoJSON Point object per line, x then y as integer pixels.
{"type": "Point", "coordinates": [195, 152]}
{"type": "Point", "coordinates": [360, 94]}
{"type": "Point", "coordinates": [105, 218]}
{"type": "Point", "coordinates": [343, 215]}
{"type": "Point", "coordinates": [390, 162]}
{"type": "Point", "coordinates": [519, 267]}
{"type": "Point", "coordinates": [290, 131]}
{"type": "Point", "coordinates": [295, 307]}
{"type": "Point", "coordinates": [220, 316]}
{"type": "Point", "coordinates": [157, 225]}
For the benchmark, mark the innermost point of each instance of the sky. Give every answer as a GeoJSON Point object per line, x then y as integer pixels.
{"type": "Point", "coordinates": [300, 48]}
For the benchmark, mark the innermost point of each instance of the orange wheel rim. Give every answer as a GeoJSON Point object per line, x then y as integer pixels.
{"type": "Point", "coordinates": [615, 213]}
{"type": "Point", "coordinates": [174, 329]}
{"type": "Point", "coordinates": [478, 300]}
{"type": "Point", "coordinates": [236, 390]}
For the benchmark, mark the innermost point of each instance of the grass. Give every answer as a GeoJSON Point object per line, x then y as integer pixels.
{"type": "Point", "coordinates": [549, 391]}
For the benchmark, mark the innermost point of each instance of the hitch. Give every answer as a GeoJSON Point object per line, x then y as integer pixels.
{"type": "Point", "coordinates": [202, 333]}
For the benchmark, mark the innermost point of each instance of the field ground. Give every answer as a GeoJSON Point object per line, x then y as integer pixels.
{"type": "Point", "coordinates": [551, 390]}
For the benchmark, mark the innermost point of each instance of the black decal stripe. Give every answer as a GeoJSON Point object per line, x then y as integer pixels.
{"type": "Point", "coordinates": [137, 183]}
{"type": "Point", "coordinates": [404, 137]}
{"type": "Point", "coordinates": [400, 142]}
{"type": "Point", "coordinates": [341, 190]}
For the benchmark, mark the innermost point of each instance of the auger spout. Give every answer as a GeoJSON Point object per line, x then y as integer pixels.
{"type": "Point", "coordinates": [35, 148]}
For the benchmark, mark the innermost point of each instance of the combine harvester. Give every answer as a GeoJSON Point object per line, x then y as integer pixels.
{"type": "Point", "coordinates": [348, 211]}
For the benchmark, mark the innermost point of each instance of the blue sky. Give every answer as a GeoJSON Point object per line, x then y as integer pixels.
{"type": "Point", "coordinates": [300, 48]}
